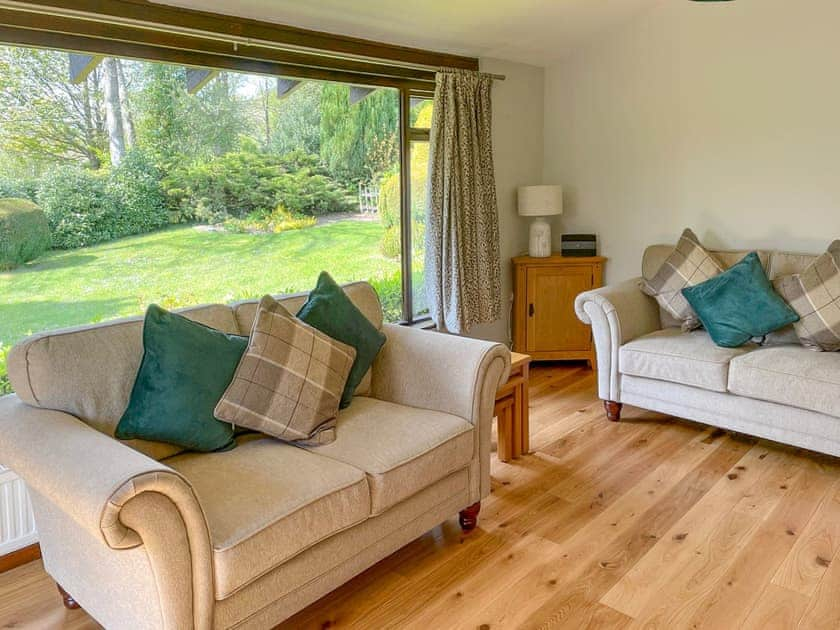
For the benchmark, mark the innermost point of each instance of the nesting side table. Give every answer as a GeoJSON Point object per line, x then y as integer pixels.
{"type": "Point", "coordinates": [511, 410]}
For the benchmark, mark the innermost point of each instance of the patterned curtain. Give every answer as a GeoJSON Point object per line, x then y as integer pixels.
{"type": "Point", "coordinates": [463, 278]}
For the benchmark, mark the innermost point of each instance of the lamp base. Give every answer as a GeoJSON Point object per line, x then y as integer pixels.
{"type": "Point", "coordinates": [539, 242]}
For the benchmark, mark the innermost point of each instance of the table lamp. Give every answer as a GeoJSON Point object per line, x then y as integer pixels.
{"type": "Point", "coordinates": [540, 202]}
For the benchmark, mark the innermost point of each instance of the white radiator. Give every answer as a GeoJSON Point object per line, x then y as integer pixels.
{"type": "Point", "coordinates": [17, 527]}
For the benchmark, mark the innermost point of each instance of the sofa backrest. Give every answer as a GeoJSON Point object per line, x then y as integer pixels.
{"type": "Point", "coordinates": [775, 263]}
{"type": "Point", "coordinates": [88, 371]}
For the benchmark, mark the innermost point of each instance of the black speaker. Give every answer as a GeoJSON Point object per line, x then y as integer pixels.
{"type": "Point", "coordinates": [578, 245]}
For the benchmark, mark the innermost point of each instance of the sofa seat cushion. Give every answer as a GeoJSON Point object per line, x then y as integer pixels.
{"type": "Point", "coordinates": [267, 501]}
{"type": "Point", "coordinates": [402, 449]}
{"type": "Point", "coordinates": [789, 375]}
{"type": "Point", "coordinates": [690, 358]}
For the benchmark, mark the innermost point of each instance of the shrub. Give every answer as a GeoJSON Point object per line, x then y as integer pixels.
{"type": "Point", "coordinates": [86, 207]}
{"type": "Point", "coordinates": [24, 232]}
{"type": "Point", "coordinates": [389, 199]}
{"type": "Point", "coordinates": [389, 214]}
{"type": "Point", "coordinates": [232, 185]}
{"type": "Point", "coordinates": [312, 193]}
{"type": "Point", "coordinates": [280, 220]}
{"type": "Point", "coordinates": [79, 210]}
{"type": "Point", "coordinates": [18, 188]}
{"type": "Point", "coordinates": [5, 384]}
{"type": "Point", "coordinates": [389, 290]}
{"type": "Point", "coordinates": [246, 182]}
{"type": "Point", "coordinates": [391, 242]}
{"type": "Point", "coordinates": [137, 196]}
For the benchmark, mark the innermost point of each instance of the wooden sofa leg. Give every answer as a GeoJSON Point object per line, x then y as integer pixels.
{"type": "Point", "coordinates": [69, 602]}
{"type": "Point", "coordinates": [468, 517]}
{"type": "Point", "coordinates": [613, 410]}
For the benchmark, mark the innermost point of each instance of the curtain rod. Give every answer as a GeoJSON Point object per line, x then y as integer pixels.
{"type": "Point", "coordinates": [495, 77]}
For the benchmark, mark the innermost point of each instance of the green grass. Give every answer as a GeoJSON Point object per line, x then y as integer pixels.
{"type": "Point", "coordinates": [181, 266]}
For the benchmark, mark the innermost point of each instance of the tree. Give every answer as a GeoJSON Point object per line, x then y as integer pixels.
{"type": "Point", "coordinates": [359, 142]}
{"type": "Point", "coordinates": [297, 120]}
{"type": "Point", "coordinates": [113, 111]}
{"type": "Point", "coordinates": [163, 122]}
{"type": "Point", "coordinates": [43, 116]}
{"type": "Point", "coordinates": [125, 105]}
{"type": "Point", "coordinates": [218, 116]}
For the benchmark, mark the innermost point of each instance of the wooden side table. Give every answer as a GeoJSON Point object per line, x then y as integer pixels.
{"type": "Point", "coordinates": [511, 410]}
{"type": "Point", "coordinates": [544, 321]}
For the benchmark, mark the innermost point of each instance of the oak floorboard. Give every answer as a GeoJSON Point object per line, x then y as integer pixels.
{"type": "Point", "coordinates": [814, 550]}
{"type": "Point", "coordinates": [584, 581]}
{"type": "Point", "coordinates": [676, 549]}
{"type": "Point", "coordinates": [649, 522]}
{"type": "Point", "coordinates": [777, 608]}
{"type": "Point", "coordinates": [738, 591]}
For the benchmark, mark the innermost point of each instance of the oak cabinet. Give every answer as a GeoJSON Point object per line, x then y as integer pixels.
{"type": "Point", "coordinates": [544, 322]}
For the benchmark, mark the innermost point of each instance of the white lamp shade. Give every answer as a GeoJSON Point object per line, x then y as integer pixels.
{"type": "Point", "coordinates": [540, 201]}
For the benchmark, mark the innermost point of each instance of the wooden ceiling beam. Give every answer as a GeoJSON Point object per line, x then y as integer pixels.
{"type": "Point", "coordinates": [203, 22]}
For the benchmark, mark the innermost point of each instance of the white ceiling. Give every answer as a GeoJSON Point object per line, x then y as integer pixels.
{"type": "Point", "coordinates": [538, 32]}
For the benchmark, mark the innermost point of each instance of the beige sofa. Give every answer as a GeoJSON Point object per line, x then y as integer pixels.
{"type": "Point", "coordinates": [780, 390]}
{"type": "Point", "coordinates": [142, 535]}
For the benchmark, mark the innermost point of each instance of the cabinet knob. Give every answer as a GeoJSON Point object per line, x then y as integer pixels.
{"type": "Point", "coordinates": [530, 310]}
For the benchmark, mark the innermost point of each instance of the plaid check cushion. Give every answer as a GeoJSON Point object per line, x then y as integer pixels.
{"type": "Point", "coordinates": [688, 265]}
{"type": "Point", "coordinates": [815, 296]}
{"type": "Point", "coordinates": [289, 381]}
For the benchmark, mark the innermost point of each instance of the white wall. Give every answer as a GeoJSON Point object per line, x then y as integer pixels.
{"type": "Point", "coordinates": [518, 158]}
{"type": "Point", "coordinates": [723, 117]}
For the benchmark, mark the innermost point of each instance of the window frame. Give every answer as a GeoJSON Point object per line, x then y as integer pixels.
{"type": "Point", "coordinates": [408, 135]}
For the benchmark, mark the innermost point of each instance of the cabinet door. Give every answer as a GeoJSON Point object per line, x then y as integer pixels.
{"type": "Point", "coordinates": [552, 323]}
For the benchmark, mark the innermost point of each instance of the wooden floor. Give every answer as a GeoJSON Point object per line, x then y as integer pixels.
{"type": "Point", "coordinates": [648, 523]}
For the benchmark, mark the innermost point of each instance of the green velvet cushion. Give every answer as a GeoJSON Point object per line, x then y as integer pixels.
{"type": "Point", "coordinates": [185, 370]}
{"type": "Point", "coordinates": [330, 310]}
{"type": "Point", "coordinates": [739, 304]}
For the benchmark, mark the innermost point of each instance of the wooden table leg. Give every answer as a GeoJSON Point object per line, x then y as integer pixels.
{"type": "Point", "coordinates": [504, 415]}
{"type": "Point", "coordinates": [516, 423]}
{"type": "Point", "coordinates": [509, 424]}
{"type": "Point", "coordinates": [524, 422]}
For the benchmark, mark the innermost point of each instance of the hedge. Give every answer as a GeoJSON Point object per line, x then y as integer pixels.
{"type": "Point", "coordinates": [250, 182]}
{"type": "Point", "coordinates": [24, 232]}
{"type": "Point", "coordinates": [86, 207]}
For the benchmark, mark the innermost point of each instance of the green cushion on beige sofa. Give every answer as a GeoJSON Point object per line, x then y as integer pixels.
{"type": "Point", "coordinates": [330, 310]}
{"type": "Point", "coordinates": [185, 369]}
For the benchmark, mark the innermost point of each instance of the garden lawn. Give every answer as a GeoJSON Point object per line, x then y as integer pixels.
{"type": "Point", "coordinates": [181, 266]}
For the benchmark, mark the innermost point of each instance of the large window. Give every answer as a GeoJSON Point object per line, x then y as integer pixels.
{"type": "Point", "coordinates": [177, 186]}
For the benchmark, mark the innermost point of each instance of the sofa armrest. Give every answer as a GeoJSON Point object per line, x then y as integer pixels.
{"type": "Point", "coordinates": [431, 370]}
{"type": "Point", "coordinates": [119, 495]}
{"type": "Point", "coordinates": [447, 373]}
{"type": "Point", "coordinates": [618, 313]}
